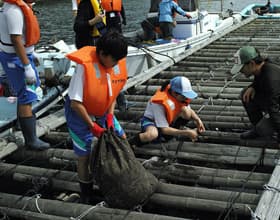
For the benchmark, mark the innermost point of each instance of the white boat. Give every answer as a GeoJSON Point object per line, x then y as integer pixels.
{"type": "Point", "coordinates": [142, 56]}
{"type": "Point", "coordinates": [265, 11]}
{"type": "Point", "coordinates": [187, 34]}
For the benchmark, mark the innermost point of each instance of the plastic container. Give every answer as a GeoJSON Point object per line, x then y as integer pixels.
{"type": "Point", "coordinates": [185, 28]}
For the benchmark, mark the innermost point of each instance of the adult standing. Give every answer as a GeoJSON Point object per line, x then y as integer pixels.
{"type": "Point", "coordinates": [19, 32]}
{"type": "Point", "coordinates": [166, 18]}
{"type": "Point", "coordinates": [114, 10]}
{"type": "Point", "coordinates": [90, 23]}
{"type": "Point", "coordinates": [89, 109]}
{"type": "Point", "coordinates": [261, 99]}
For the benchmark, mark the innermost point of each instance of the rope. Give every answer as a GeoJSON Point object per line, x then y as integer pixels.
{"type": "Point", "coordinates": [253, 214]}
{"type": "Point", "coordinates": [83, 214]}
{"type": "Point", "coordinates": [165, 55]}
{"type": "Point", "coordinates": [36, 196]}
{"type": "Point", "coordinates": [152, 159]}
{"type": "Point", "coordinates": [271, 188]}
{"type": "Point", "coordinates": [4, 216]}
{"type": "Point", "coordinates": [146, 50]}
{"type": "Point", "coordinates": [228, 210]}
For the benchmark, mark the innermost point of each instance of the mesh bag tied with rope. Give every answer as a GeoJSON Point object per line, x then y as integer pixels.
{"type": "Point", "coordinates": [123, 181]}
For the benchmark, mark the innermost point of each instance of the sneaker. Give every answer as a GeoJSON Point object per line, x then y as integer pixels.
{"type": "Point", "coordinates": [251, 134]}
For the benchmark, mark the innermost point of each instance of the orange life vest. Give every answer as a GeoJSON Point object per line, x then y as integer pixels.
{"type": "Point", "coordinates": [32, 35]}
{"type": "Point", "coordinates": [111, 5]}
{"type": "Point", "coordinates": [101, 85]}
{"type": "Point", "coordinates": [171, 105]}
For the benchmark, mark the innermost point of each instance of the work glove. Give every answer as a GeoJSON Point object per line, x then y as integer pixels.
{"type": "Point", "coordinates": [188, 16]}
{"type": "Point", "coordinates": [30, 75]}
{"type": "Point", "coordinates": [97, 130]}
{"type": "Point", "coordinates": [110, 121]}
{"type": "Point", "coordinates": [124, 21]}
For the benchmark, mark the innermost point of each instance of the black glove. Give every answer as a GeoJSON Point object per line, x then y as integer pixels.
{"type": "Point", "coordinates": [124, 21]}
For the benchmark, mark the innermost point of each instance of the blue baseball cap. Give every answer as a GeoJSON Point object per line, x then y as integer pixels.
{"type": "Point", "coordinates": [182, 85]}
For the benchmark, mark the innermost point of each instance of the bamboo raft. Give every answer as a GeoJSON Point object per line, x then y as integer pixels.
{"type": "Point", "coordinates": [218, 177]}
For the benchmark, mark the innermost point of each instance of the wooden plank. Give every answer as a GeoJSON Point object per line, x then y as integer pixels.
{"type": "Point", "coordinates": [268, 206]}
{"type": "Point", "coordinates": [43, 126]}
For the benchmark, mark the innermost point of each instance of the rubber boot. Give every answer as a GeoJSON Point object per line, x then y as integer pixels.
{"type": "Point", "coordinates": [250, 134]}
{"type": "Point", "coordinates": [28, 128]}
{"type": "Point", "coordinates": [86, 192]}
{"type": "Point", "coordinates": [264, 128]}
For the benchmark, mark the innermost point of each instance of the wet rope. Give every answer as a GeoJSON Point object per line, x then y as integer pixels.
{"type": "Point", "coordinates": [146, 50]}
{"type": "Point", "coordinates": [37, 197]}
{"type": "Point", "coordinates": [253, 214]}
{"type": "Point", "coordinates": [83, 214]}
{"type": "Point", "coordinates": [3, 215]}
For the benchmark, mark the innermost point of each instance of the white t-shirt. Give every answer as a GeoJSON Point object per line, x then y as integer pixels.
{"type": "Point", "coordinates": [76, 86]}
{"type": "Point", "coordinates": [12, 22]}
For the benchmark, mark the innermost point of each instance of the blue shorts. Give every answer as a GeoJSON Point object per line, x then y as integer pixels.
{"type": "Point", "coordinates": [146, 122]}
{"type": "Point", "coordinates": [14, 70]}
{"type": "Point", "coordinates": [81, 134]}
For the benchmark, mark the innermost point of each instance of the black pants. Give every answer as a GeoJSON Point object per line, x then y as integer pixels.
{"type": "Point", "coordinates": [254, 108]}
{"type": "Point", "coordinates": [113, 22]}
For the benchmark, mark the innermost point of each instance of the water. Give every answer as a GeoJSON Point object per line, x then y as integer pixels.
{"type": "Point", "coordinates": [56, 20]}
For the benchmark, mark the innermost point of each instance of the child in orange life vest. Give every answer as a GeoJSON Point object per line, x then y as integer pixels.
{"type": "Point", "coordinates": [89, 108]}
{"type": "Point", "coordinates": [169, 103]}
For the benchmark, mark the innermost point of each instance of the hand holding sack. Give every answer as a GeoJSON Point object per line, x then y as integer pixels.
{"type": "Point", "coordinates": [97, 130]}
{"type": "Point", "coordinates": [110, 121]}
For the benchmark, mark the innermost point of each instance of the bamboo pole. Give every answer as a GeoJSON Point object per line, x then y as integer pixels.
{"type": "Point", "coordinates": [187, 174]}
{"type": "Point", "coordinates": [8, 171]}
{"type": "Point", "coordinates": [181, 193]}
{"type": "Point", "coordinates": [24, 153]}
{"type": "Point", "coordinates": [168, 201]}
{"type": "Point", "coordinates": [129, 115]}
{"type": "Point", "coordinates": [209, 125]}
{"type": "Point", "coordinates": [65, 209]}
{"type": "Point", "coordinates": [233, 155]}
{"type": "Point", "coordinates": [171, 172]}
{"type": "Point", "coordinates": [207, 194]}
{"type": "Point", "coordinates": [27, 215]}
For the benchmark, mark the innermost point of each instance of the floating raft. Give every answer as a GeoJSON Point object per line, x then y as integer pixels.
{"type": "Point", "coordinates": [218, 177]}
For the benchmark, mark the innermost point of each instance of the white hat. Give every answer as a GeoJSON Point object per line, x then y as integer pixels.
{"type": "Point", "coordinates": [182, 85]}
